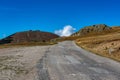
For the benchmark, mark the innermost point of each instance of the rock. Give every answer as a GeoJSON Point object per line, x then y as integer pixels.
{"type": "Point", "coordinates": [92, 29]}
{"type": "Point", "coordinates": [111, 50]}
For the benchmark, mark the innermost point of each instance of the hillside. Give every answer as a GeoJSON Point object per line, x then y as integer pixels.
{"type": "Point", "coordinates": [29, 36]}
{"type": "Point", "coordinates": [106, 43]}
{"type": "Point", "coordinates": [94, 29]}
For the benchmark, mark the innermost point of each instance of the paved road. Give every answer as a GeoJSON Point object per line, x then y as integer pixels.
{"type": "Point", "coordinates": [66, 61]}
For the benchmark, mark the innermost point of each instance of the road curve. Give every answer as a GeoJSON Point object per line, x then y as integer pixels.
{"type": "Point", "coordinates": [66, 61]}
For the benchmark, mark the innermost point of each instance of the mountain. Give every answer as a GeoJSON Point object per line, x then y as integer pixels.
{"type": "Point", "coordinates": [94, 29]}
{"type": "Point", "coordinates": [29, 36]}
{"type": "Point", "coordinates": [101, 40]}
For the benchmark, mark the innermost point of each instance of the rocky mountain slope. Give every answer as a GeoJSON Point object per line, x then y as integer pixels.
{"type": "Point", "coordinates": [100, 39]}
{"type": "Point", "coordinates": [29, 36]}
{"type": "Point", "coordinates": [94, 29]}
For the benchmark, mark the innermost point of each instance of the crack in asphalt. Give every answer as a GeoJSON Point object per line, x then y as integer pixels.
{"type": "Point", "coordinates": [43, 73]}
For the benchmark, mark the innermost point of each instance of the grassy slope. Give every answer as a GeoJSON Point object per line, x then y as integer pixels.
{"type": "Point", "coordinates": [107, 44]}
{"type": "Point", "coordinates": [27, 44]}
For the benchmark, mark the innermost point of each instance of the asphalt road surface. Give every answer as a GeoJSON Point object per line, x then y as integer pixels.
{"type": "Point", "coordinates": [66, 61]}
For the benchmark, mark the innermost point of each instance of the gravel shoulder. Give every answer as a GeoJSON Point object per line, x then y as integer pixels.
{"type": "Point", "coordinates": [20, 63]}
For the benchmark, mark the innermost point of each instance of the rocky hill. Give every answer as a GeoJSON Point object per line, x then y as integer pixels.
{"type": "Point", "coordinates": [29, 36]}
{"type": "Point", "coordinates": [104, 40]}
{"type": "Point", "coordinates": [92, 29]}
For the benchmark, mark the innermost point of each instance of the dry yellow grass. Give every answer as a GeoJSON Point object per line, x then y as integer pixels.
{"type": "Point", "coordinates": [27, 44]}
{"type": "Point", "coordinates": [107, 45]}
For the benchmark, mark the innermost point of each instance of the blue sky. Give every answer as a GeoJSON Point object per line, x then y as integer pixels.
{"type": "Point", "coordinates": [52, 15]}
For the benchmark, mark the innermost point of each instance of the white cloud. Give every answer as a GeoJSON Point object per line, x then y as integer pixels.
{"type": "Point", "coordinates": [66, 31]}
